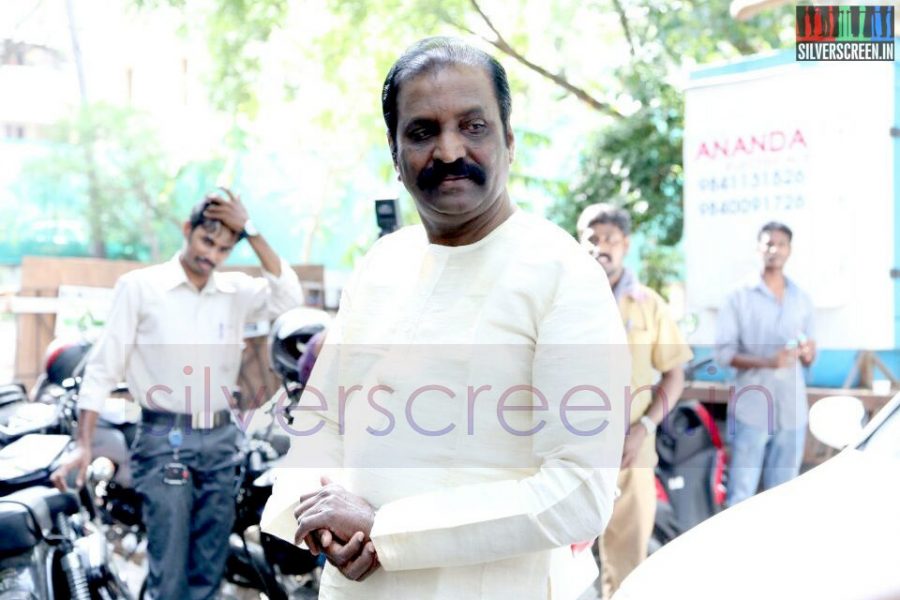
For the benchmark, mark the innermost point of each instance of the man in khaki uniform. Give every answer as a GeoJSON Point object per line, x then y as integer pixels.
{"type": "Point", "coordinates": [656, 345]}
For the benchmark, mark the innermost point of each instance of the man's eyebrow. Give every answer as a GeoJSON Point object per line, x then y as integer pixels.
{"type": "Point", "coordinates": [210, 240]}
{"type": "Point", "coordinates": [476, 111]}
{"type": "Point", "coordinates": [472, 112]}
{"type": "Point", "coordinates": [418, 122]}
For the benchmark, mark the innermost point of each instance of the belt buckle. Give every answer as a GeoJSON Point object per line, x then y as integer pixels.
{"type": "Point", "coordinates": [202, 420]}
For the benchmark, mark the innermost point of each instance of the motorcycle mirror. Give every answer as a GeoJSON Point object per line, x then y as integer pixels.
{"type": "Point", "coordinates": [689, 323]}
{"type": "Point", "coordinates": [837, 420]}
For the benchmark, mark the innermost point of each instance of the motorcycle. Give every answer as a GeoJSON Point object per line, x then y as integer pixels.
{"type": "Point", "coordinates": [50, 547]}
{"type": "Point", "coordinates": [20, 417]}
{"type": "Point", "coordinates": [691, 471]}
{"type": "Point", "coordinates": [256, 560]}
{"type": "Point", "coordinates": [259, 560]}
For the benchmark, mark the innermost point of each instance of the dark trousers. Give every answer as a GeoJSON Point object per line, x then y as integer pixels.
{"type": "Point", "coordinates": [187, 525]}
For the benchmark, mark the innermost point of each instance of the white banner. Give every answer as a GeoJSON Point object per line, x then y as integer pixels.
{"type": "Point", "coordinates": [808, 145]}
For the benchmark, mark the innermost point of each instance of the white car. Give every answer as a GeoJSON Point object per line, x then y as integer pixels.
{"type": "Point", "coordinates": [831, 534]}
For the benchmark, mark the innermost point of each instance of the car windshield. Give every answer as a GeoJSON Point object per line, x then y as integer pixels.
{"type": "Point", "coordinates": [886, 439]}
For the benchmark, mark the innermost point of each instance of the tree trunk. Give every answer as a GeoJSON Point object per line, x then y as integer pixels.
{"type": "Point", "coordinates": [95, 204]}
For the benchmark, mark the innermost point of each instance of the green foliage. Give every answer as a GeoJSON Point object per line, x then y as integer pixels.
{"type": "Point", "coordinates": [104, 168]}
{"type": "Point", "coordinates": [692, 31]}
{"type": "Point", "coordinates": [636, 161]}
{"type": "Point", "coordinates": [236, 32]}
{"type": "Point", "coordinates": [660, 266]}
{"type": "Point", "coordinates": [618, 58]}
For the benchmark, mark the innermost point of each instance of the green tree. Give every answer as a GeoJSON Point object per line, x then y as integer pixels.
{"type": "Point", "coordinates": [129, 207]}
{"type": "Point", "coordinates": [637, 161]}
{"type": "Point", "coordinates": [616, 61]}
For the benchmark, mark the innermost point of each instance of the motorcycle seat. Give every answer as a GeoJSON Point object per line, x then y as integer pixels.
{"type": "Point", "coordinates": [20, 531]}
{"type": "Point", "coordinates": [11, 393]}
{"type": "Point", "coordinates": [29, 461]}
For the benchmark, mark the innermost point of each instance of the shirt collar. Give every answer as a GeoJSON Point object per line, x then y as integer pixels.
{"type": "Point", "coordinates": [628, 285]}
{"type": "Point", "coordinates": [758, 283]}
{"type": "Point", "coordinates": [174, 276]}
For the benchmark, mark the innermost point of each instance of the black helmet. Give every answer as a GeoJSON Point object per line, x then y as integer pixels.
{"type": "Point", "coordinates": [65, 359]}
{"type": "Point", "coordinates": [289, 337]}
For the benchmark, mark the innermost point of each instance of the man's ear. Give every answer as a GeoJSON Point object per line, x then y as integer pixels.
{"type": "Point", "coordinates": [393, 148]}
{"type": "Point", "coordinates": [186, 230]}
{"type": "Point", "coordinates": [511, 143]}
{"type": "Point", "coordinates": [626, 243]}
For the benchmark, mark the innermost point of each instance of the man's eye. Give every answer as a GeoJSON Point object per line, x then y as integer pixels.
{"type": "Point", "coordinates": [476, 126]}
{"type": "Point", "coordinates": [419, 134]}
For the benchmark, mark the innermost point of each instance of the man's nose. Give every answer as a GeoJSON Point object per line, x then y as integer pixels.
{"type": "Point", "coordinates": [449, 148]}
{"type": "Point", "coordinates": [603, 247]}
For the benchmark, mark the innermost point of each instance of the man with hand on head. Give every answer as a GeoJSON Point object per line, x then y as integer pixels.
{"type": "Point", "coordinates": [657, 345]}
{"type": "Point", "coordinates": [478, 456]}
{"type": "Point", "coordinates": [177, 328]}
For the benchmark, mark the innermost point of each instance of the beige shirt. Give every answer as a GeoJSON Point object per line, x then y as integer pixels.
{"type": "Point", "coordinates": [179, 348]}
{"type": "Point", "coordinates": [470, 504]}
{"type": "Point", "coordinates": [656, 341]}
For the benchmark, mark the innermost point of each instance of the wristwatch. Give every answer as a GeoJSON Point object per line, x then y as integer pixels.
{"type": "Point", "coordinates": [648, 424]}
{"type": "Point", "coordinates": [250, 230]}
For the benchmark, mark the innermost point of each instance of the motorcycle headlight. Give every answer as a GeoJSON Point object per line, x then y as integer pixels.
{"type": "Point", "coordinates": [102, 469]}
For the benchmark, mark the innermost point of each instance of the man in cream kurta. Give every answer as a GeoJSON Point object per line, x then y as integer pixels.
{"type": "Point", "coordinates": [467, 405]}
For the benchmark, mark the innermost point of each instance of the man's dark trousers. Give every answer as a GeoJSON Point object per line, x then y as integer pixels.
{"type": "Point", "coordinates": [187, 525]}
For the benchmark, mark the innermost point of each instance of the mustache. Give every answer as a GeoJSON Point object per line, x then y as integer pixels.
{"type": "Point", "coordinates": [431, 177]}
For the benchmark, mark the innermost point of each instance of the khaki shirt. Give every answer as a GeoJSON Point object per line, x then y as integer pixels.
{"type": "Point", "coordinates": [656, 342]}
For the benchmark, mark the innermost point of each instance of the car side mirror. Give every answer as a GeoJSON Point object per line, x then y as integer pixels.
{"type": "Point", "coordinates": [837, 420]}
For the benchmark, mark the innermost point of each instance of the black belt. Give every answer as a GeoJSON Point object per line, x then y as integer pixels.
{"type": "Point", "coordinates": [203, 420]}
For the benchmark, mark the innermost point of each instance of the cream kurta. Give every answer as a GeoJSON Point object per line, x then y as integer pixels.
{"type": "Point", "coordinates": [463, 430]}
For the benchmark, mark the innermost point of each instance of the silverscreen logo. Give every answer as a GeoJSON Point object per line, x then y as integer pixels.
{"type": "Point", "coordinates": [845, 33]}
